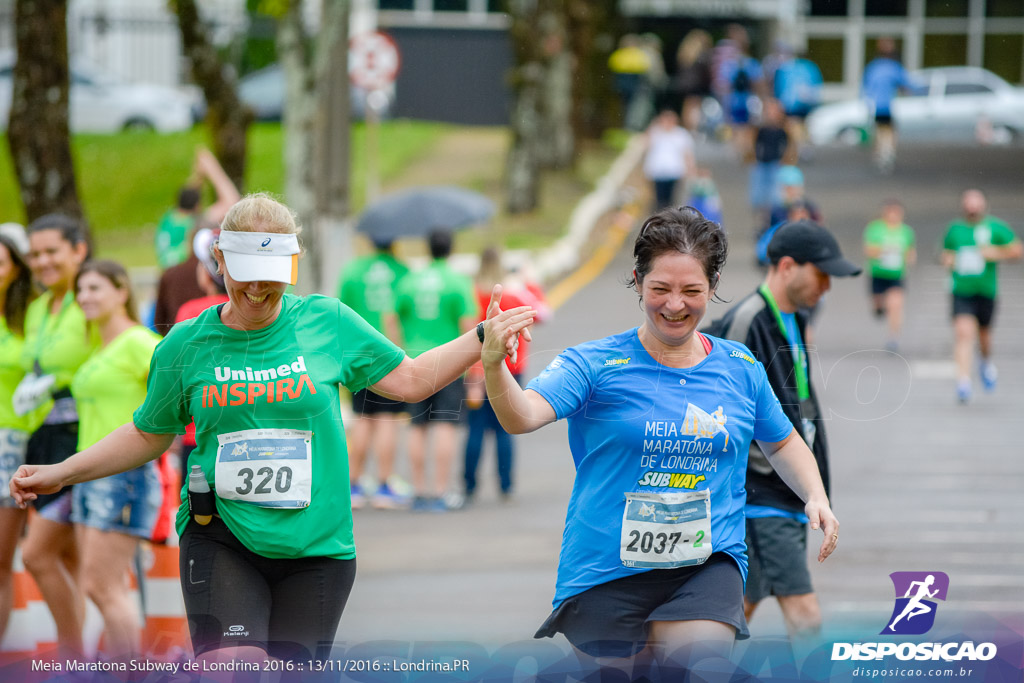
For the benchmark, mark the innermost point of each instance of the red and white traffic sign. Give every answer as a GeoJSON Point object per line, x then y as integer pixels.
{"type": "Point", "coordinates": [372, 60]}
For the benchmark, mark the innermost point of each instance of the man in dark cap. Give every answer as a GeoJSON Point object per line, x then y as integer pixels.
{"type": "Point", "coordinates": [803, 257]}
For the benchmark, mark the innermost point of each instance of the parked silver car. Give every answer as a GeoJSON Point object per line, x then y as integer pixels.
{"type": "Point", "coordinates": [99, 103]}
{"type": "Point", "coordinates": [952, 103]}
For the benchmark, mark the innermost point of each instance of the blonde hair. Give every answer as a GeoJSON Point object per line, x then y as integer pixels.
{"type": "Point", "coordinates": [491, 270]}
{"type": "Point", "coordinates": [696, 42]}
{"type": "Point", "coordinates": [260, 212]}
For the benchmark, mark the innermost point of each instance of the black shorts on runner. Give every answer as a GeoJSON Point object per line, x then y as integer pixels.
{"type": "Point", "coordinates": [883, 119]}
{"type": "Point", "coordinates": [366, 402]}
{"type": "Point", "coordinates": [49, 445]}
{"type": "Point", "coordinates": [881, 285]}
{"type": "Point", "coordinates": [777, 556]}
{"type": "Point", "coordinates": [981, 307]}
{"type": "Point", "coordinates": [233, 597]}
{"type": "Point", "coordinates": [444, 406]}
{"type": "Point", "coordinates": [611, 619]}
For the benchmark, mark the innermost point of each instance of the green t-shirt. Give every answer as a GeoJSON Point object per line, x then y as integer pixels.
{"type": "Point", "coordinates": [368, 286]}
{"type": "Point", "coordinates": [112, 384]}
{"type": "Point", "coordinates": [11, 373]}
{"type": "Point", "coordinates": [61, 342]}
{"type": "Point", "coordinates": [895, 243]}
{"type": "Point", "coordinates": [172, 245]}
{"type": "Point", "coordinates": [282, 377]}
{"type": "Point", "coordinates": [972, 274]}
{"type": "Point", "coordinates": [430, 303]}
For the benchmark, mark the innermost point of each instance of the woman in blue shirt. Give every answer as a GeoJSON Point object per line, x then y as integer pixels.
{"type": "Point", "coordinates": [660, 419]}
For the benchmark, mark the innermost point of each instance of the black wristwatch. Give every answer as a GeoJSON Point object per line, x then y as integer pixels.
{"type": "Point", "coordinates": [480, 331]}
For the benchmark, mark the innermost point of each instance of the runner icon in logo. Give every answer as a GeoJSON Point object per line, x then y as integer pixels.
{"type": "Point", "coordinates": [916, 589]}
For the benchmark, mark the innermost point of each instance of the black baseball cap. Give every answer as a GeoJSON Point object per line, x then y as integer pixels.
{"type": "Point", "coordinates": [808, 242]}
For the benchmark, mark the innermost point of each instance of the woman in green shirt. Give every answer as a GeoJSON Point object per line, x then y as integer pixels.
{"type": "Point", "coordinates": [260, 376]}
{"type": "Point", "coordinates": [16, 293]}
{"type": "Point", "coordinates": [56, 344]}
{"type": "Point", "coordinates": [113, 513]}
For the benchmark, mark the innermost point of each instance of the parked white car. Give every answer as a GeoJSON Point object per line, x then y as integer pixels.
{"type": "Point", "coordinates": [952, 103]}
{"type": "Point", "coordinates": [99, 103]}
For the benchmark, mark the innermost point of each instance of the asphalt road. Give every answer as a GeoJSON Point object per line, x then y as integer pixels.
{"type": "Point", "coordinates": [920, 482]}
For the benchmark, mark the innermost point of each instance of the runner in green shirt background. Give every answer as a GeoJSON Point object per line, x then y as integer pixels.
{"type": "Point", "coordinates": [368, 287]}
{"type": "Point", "coordinates": [973, 247]}
{"type": "Point", "coordinates": [111, 514]}
{"type": "Point", "coordinates": [16, 292]}
{"type": "Point", "coordinates": [435, 305]}
{"type": "Point", "coordinates": [260, 375]}
{"type": "Point", "coordinates": [889, 248]}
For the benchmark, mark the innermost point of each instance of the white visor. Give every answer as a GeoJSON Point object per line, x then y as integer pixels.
{"type": "Point", "coordinates": [265, 256]}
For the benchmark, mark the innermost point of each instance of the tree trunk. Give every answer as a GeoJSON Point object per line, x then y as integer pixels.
{"type": "Point", "coordinates": [542, 85]}
{"type": "Point", "coordinates": [38, 129]}
{"type": "Point", "coordinates": [522, 174]}
{"type": "Point", "coordinates": [556, 144]}
{"type": "Point", "coordinates": [226, 115]}
{"type": "Point", "coordinates": [316, 132]}
{"type": "Point", "coordinates": [592, 37]}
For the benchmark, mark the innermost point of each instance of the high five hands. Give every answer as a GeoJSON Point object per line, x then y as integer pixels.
{"type": "Point", "coordinates": [502, 330]}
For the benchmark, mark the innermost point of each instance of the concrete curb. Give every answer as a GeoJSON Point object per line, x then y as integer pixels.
{"type": "Point", "coordinates": [565, 255]}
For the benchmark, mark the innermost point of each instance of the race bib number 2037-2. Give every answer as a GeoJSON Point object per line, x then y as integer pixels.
{"type": "Point", "coordinates": [666, 530]}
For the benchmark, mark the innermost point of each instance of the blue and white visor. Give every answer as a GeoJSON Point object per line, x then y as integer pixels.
{"type": "Point", "coordinates": [264, 256]}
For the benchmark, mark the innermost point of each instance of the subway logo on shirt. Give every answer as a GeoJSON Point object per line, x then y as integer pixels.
{"type": "Point", "coordinates": [246, 386]}
{"type": "Point", "coordinates": [675, 480]}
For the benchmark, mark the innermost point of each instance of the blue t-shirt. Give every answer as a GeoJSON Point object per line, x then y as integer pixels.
{"type": "Point", "coordinates": [634, 423]}
{"type": "Point", "coordinates": [883, 78]}
{"type": "Point", "coordinates": [742, 86]}
{"type": "Point", "coordinates": [798, 85]}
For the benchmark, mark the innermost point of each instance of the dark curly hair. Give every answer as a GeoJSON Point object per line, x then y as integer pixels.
{"type": "Point", "coordinates": [684, 230]}
{"type": "Point", "coordinates": [71, 229]}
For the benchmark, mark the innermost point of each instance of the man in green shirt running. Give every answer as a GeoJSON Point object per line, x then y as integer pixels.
{"type": "Point", "coordinates": [889, 248]}
{"type": "Point", "coordinates": [368, 288]}
{"type": "Point", "coordinates": [434, 306]}
{"type": "Point", "coordinates": [973, 246]}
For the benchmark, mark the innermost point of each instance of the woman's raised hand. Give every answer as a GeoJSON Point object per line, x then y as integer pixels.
{"type": "Point", "coordinates": [502, 330]}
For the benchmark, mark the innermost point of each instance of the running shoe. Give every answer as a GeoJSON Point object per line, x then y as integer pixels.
{"type": "Point", "coordinates": [358, 497]}
{"type": "Point", "coordinates": [453, 501]}
{"type": "Point", "coordinates": [963, 391]}
{"type": "Point", "coordinates": [989, 375]}
{"type": "Point", "coordinates": [422, 504]}
{"type": "Point", "coordinates": [387, 499]}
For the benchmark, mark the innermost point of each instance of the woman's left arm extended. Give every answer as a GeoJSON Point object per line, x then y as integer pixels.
{"type": "Point", "coordinates": [123, 449]}
{"type": "Point", "coordinates": [795, 463]}
{"type": "Point", "coordinates": [417, 378]}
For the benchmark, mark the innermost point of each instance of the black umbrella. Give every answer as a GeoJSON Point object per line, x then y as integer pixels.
{"type": "Point", "coordinates": [417, 212]}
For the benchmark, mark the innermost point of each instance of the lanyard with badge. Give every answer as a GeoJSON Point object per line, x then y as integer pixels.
{"type": "Point", "coordinates": [34, 388]}
{"type": "Point", "coordinates": [808, 411]}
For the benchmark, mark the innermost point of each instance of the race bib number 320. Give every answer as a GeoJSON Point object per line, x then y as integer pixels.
{"type": "Point", "coordinates": [666, 530]}
{"type": "Point", "coordinates": [266, 467]}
